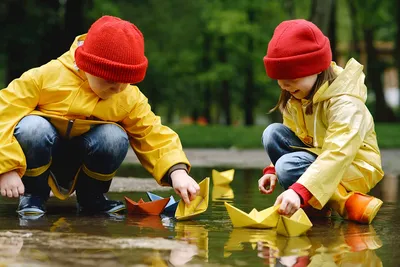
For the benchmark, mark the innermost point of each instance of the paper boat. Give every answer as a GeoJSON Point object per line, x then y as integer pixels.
{"type": "Point", "coordinates": [267, 218]}
{"type": "Point", "coordinates": [222, 192]}
{"type": "Point", "coordinates": [197, 205]}
{"type": "Point", "coordinates": [171, 206]}
{"type": "Point", "coordinates": [142, 207]}
{"type": "Point", "coordinates": [295, 225]}
{"type": "Point", "coordinates": [222, 178]}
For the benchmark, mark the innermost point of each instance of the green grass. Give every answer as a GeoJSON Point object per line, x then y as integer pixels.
{"type": "Point", "coordinates": [219, 136]}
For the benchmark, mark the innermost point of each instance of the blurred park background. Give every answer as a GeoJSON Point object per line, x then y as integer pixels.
{"type": "Point", "coordinates": [206, 77]}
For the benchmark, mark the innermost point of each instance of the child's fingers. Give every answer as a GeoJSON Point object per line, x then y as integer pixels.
{"type": "Point", "coordinates": [3, 192]}
{"type": "Point", "coordinates": [21, 190]}
{"type": "Point", "coordinates": [15, 192]}
{"type": "Point", "coordinates": [9, 193]}
{"type": "Point", "coordinates": [272, 185]}
{"type": "Point", "coordinates": [185, 196]}
{"type": "Point", "coordinates": [192, 192]}
{"type": "Point", "coordinates": [278, 200]}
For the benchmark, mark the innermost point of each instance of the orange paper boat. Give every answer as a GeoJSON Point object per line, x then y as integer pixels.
{"type": "Point", "coordinates": [142, 207]}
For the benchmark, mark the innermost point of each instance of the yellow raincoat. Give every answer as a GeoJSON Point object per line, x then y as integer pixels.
{"type": "Point", "coordinates": [341, 132]}
{"type": "Point", "coordinates": [60, 92]}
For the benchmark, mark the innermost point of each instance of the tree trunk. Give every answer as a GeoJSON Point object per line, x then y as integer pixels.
{"type": "Point", "coordinates": [397, 42]}
{"type": "Point", "coordinates": [355, 43]}
{"type": "Point", "coordinates": [74, 21]}
{"type": "Point", "coordinates": [16, 61]}
{"type": "Point", "coordinates": [321, 14]}
{"type": "Point", "coordinates": [225, 90]}
{"type": "Point", "coordinates": [288, 5]}
{"type": "Point", "coordinates": [50, 42]}
{"type": "Point", "coordinates": [374, 73]}
{"type": "Point", "coordinates": [332, 31]}
{"type": "Point", "coordinates": [248, 94]}
{"type": "Point", "coordinates": [207, 86]}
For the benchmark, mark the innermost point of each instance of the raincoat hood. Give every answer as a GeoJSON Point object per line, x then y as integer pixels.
{"type": "Point", "coordinates": [350, 81]}
{"type": "Point", "coordinates": [68, 58]}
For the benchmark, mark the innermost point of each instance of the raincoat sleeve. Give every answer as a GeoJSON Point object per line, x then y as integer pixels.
{"type": "Point", "coordinates": [16, 101]}
{"type": "Point", "coordinates": [157, 147]}
{"type": "Point", "coordinates": [347, 127]}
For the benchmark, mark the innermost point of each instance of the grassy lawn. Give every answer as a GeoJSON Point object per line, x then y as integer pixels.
{"type": "Point", "coordinates": [218, 136]}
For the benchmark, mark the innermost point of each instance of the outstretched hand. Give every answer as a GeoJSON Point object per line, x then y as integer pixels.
{"type": "Point", "coordinates": [184, 185]}
{"type": "Point", "coordinates": [11, 184]}
{"type": "Point", "coordinates": [267, 183]}
{"type": "Point", "coordinates": [289, 202]}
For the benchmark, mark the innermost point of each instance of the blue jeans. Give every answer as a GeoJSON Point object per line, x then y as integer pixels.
{"type": "Point", "coordinates": [101, 150]}
{"type": "Point", "coordinates": [290, 163]}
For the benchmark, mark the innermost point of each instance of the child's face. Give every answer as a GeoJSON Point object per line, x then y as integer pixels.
{"type": "Point", "coordinates": [299, 88]}
{"type": "Point", "coordinates": [103, 88]}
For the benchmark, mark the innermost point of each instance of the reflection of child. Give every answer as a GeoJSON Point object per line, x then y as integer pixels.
{"type": "Point", "coordinates": [67, 125]}
{"type": "Point", "coordinates": [326, 149]}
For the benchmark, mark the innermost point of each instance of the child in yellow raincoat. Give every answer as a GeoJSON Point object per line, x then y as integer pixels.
{"type": "Point", "coordinates": [326, 151]}
{"type": "Point", "coordinates": [67, 125]}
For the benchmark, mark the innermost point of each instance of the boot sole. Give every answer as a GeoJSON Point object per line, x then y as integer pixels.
{"type": "Point", "coordinates": [30, 211]}
{"type": "Point", "coordinates": [371, 210]}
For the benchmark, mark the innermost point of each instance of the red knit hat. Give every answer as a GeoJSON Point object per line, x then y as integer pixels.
{"type": "Point", "coordinates": [113, 50]}
{"type": "Point", "coordinates": [297, 49]}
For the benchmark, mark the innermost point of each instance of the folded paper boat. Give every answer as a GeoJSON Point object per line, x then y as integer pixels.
{"type": "Point", "coordinates": [171, 206]}
{"type": "Point", "coordinates": [222, 178]}
{"type": "Point", "coordinates": [142, 207]}
{"type": "Point", "coordinates": [197, 205]}
{"type": "Point", "coordinates": [295, 225]}
{"type": "Point", "coordinates": [267, 218]}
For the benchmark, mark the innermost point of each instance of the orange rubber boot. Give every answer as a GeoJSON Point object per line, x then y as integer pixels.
{"type": "Point", "coordinates": [362, 208]}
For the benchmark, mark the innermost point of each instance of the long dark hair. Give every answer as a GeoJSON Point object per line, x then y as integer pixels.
{"type": "Point", "coordinates": [327, 75]}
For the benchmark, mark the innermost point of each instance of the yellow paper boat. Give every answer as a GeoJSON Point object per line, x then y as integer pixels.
{"type": "Point", "coordinates": [222, 192]}
{"type": "Point", "coordinates": [222, 178]}
{"type": "Point", "coordinates": [295, 225]}
{"type": "Point", "coordinates": [197, 205]}
{"type": "Point", "coordinates": [267, 218]}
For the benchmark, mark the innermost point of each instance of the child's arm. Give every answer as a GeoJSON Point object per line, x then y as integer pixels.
{"type": "Point", "coordinates": [157, 147]}
{"type": "Point", "coordinates": [348, 124]}
{"type": "Point", "coordinates": [16, 101]}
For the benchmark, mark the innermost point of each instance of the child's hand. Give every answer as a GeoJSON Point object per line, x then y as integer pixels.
{"type": "Point", "coordinates": [184, 185]}
{"type": "Point", "coordinates": [11, 184]}
{"type": "Point", "coordinates": [266, 184]}
{"type": "Point", "coordinates": [290, 202]}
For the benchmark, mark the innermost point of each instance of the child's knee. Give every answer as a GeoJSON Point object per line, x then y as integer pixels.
{"type": "Point", "coordinates": [283, 171]}
{"type": "Point", "coordinates": [270, 134]}
{"type": "Point", "coordinates": [109, 139]}
{"type": "Point", "coordinates": [35, 131]}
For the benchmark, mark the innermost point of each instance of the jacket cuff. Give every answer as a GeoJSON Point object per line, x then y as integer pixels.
{"type": "Point", "coordinates": [303, 192]}
{"type": "Point", "coordinates": [179, 166]}
{"type": "Point", "coordinates": [269, 170]}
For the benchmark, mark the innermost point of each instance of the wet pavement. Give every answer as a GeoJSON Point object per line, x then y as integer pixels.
{"type": "Point", "coordinates": [64, 238]}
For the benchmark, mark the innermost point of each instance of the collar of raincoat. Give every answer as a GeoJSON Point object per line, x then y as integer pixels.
{"type": "Point", "coordinates": [68, 58]}
{"type": "Point", "coordinates": [350, 81]}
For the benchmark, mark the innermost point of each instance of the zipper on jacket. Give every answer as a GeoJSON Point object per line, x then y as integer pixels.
{"type": "Point", "coordinates": [69, 128]}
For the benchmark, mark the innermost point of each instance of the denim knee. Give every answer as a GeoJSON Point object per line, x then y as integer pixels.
{"type": "Point", "coordinates": [271, 134]}
{"type": "Point", "coordinates": [37, 137]}
{"type": "Point", "coordinates": [283, 168]}
{"type": "Point", "coordinates": [107, 146]}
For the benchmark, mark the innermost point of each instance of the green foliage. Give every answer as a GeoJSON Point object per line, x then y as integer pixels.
{"type": "Point", "coordinates": [218, 136]}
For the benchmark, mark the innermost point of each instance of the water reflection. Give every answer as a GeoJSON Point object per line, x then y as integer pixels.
{"type": "Point", "coordinates": [222, 193]}
{"type": "Point", "coordinates": [347, 244]}
{"type": "Point", "coordinates": [193, 233]}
